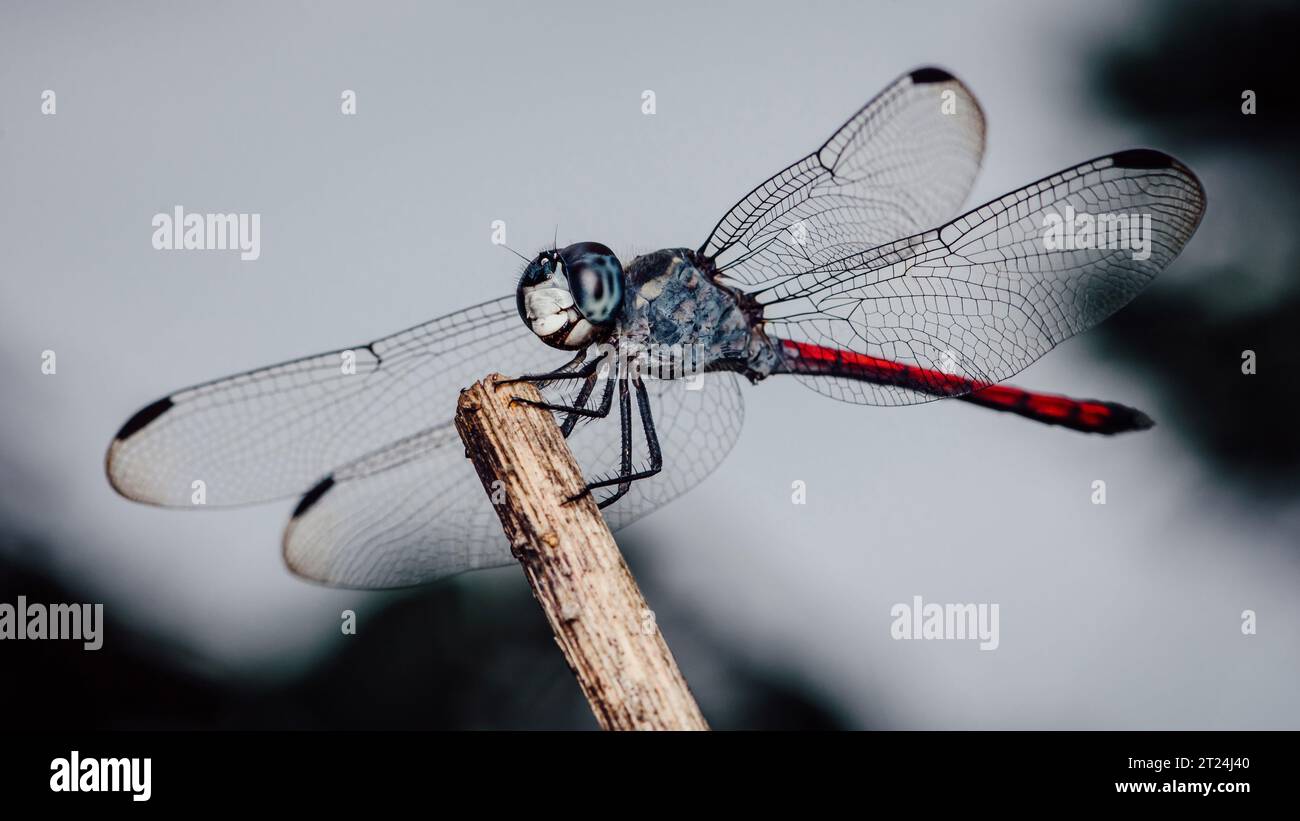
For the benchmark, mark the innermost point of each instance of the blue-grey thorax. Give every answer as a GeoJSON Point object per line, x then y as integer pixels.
{"type": "Point", "coordinates": [674, 308]}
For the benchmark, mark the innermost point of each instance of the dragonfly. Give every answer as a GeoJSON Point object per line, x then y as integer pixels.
{"type": "Point", "coordinates": [852, 270]}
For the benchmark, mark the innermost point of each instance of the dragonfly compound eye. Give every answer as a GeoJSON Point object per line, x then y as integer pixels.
{"type": "Point", "coordinates": [596, 280]}
{"type": "Point", "coordinates": [558, 290]}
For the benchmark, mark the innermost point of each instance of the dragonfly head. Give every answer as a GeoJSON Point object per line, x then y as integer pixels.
{"type": "Point", "coordinates": [572, 297]}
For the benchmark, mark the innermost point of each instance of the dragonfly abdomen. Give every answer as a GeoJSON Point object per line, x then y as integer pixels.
{"type": "Point", "coordinates": [1087, 415]}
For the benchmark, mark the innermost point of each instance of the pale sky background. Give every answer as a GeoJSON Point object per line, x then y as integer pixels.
{"type": "Point", "coordinates": [1118, 616]}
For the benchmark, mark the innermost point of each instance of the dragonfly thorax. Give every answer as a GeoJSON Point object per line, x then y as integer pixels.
{"type": "Point", "coordinates": [571, 297]}
{"type": "Point", "coordinates": [679, 312]}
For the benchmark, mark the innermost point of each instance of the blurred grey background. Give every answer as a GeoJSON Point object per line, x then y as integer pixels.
{"type": "Point", "coordinates": [1118, 616]}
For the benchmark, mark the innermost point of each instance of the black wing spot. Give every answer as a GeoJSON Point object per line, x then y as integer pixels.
{"type": "Point", "coordinates": [930, 74]}
{"type": "Point", "coordinates": [313, 496]}
{"type": "Point", "coordinates": [1142, 158]}
{"type": "Point", "coordinates": [144, 416]}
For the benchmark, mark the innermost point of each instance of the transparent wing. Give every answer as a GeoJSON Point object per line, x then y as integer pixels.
{"type": "Point", "coordinates": [993, 290]}
{"type": "Point", "coordinates": [273, 432]}
{"type": "Point", "coordinates": [390, 498]}
{"type": "Point", "coordinates": [903, 163]}
{"type": "Point", "coordinates": [416, 511]}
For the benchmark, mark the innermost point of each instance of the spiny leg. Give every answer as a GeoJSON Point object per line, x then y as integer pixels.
{"type": "Point", "coordinates": [576, 410]}
{"type": "Point", "coordinates": [561, 372]}
{"type": "Point", "coordinates": [584, 394]}
{"type": "Point", "coordinates": [625, 425]}
{"type": "Point", "coordinates": [579, 408]}
{"type": "Point", "coordinates": [652, 443]}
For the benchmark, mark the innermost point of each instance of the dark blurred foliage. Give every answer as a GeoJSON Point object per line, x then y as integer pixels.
{"type": "Point", "coordinates": [445, 657]}
{"type": "Point", "coordinates": [1180, 74]}
{"type": "Point", "coordinates": [1183, 70]}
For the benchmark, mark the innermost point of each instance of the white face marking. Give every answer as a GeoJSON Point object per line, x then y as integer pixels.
{"type": "Point", "coordinates": [581, 334]}
{"type": "Point", "coordinates": [541, 302]}
{"type": "Point", "coordinates": [549, 309]}
{"type": "Point", "coordinates": [547, 325]}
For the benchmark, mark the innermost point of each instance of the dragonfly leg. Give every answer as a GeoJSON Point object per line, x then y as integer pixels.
{"type": "Point", "coordinates": [625, 428]}
{"type": "Point", "coordinates": [652, 443]}
{"type": "Point", "coordinates": [605, 402]}
{"type": "Point", "coordinates": [571, 421]}
{"type": "Point", "coordinates": [579, 408]}
{"type": "Point", "coordinates": [561, 372]}
{"type": "Point", "coordinates": [625, 424]}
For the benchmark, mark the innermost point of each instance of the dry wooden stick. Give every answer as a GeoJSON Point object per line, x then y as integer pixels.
{"type": "Point", "coordinates": [595, 608]}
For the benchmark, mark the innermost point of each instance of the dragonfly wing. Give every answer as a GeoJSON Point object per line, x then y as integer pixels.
{"type": "Point", "coordinates": [275, 431]}
{"type": "Point", "coordinates": [415, 511]}
{"type": "Point", "coordinates": [903, 163]}
{"type": "Point", "coordinates": [993, 290]}
{"type": "Point", "coordinates": [409, 513]}
{"type": "Point", "coordinates": [390, 498]}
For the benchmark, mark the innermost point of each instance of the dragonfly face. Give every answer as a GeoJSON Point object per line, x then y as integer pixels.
{"type": "Point", "coordinates": [572, 297]}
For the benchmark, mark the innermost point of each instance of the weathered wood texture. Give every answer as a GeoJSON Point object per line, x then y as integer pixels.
{"type": "Point", "coordinates": [595, 608]}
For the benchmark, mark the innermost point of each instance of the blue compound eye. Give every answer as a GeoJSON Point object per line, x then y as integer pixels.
{"type": "Point", "coordinates": [596, 279]}
{"type": "Point", "coordinates": [572, 298]}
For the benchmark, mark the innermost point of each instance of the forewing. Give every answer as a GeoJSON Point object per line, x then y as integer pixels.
{"type": "Point", "coordinates": [903, 163]}
{"type": "Point", "coordinates": [273, 432]}
{"type": "Point", "coordinates": [987, 294]}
